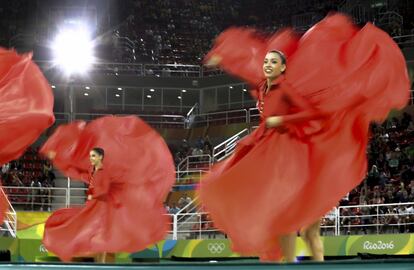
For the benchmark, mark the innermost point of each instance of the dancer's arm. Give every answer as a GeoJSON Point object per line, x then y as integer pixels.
{"type": "Point", "coordinates": [69, 169]}
{"type": "Point", "coordinates": [239, 51]}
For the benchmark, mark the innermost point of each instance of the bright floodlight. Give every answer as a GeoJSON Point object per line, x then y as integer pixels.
{"type": "Point", "coordinates": [73, 50]}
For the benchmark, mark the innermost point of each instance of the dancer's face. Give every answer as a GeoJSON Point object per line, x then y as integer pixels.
{"type": "Point", "coordinates": [273, 66]}
{"type": "Point", "coordinates": [95, 158]}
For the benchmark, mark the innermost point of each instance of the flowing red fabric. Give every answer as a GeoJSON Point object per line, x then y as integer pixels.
{"type": "Point", "coordinates": [339, 78]}
{"type": "Point", "coordinates": [127, 213]}
{"type": "Point", "coordinates": [26, 107]}
{"type": "Point", "coordinates": [4, 205]}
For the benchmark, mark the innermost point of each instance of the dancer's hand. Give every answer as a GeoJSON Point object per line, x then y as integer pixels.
{"type": "Point", "coordinates": [274, 121]}
{"type": "Point", "coordinates": [213, 61]}
{"type": "Point", "coordinates": [89, 197]}
{"type": "Point", "coordinates": [51, 155]}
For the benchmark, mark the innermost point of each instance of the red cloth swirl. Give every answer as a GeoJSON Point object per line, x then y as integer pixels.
{"type": "Point", "coordinates": [126, 213]}
{"type": "Point", "coordinates": [26, 107]}
{"type": "Point", "coordinates": [339, 78]}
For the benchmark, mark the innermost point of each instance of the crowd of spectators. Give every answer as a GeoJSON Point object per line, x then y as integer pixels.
{"type": "Point", "coordinates": [390, 180]}
{"type": "Point", "coordinates": [201, 147]}
{"type": "Point", "coordinates": [28, 181]}
{"type": "Point", "coordinates": [182, 31]}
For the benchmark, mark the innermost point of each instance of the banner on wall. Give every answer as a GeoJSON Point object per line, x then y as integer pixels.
{"type": "Point", "coordinates": [390, 244]}
{"type": "Point", "coordinates": [28, 246]}
{"type": "Point", "coordinates": [11, 244]}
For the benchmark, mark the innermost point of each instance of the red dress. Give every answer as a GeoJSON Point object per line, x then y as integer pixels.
{"type": "Point", "coordinates": [4, 205]}
{"type": "Point", "coordinates": [339, 79]}
{"type": "Point", "coordinates": [26, 107]}
{"type": "Point", "coordinates": [126, 213]}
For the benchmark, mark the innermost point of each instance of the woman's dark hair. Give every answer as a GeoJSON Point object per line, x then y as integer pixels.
{"type": "Point", "coordinates": [282, 56]}
{"type": "Point", "coordinates": [99, 151]}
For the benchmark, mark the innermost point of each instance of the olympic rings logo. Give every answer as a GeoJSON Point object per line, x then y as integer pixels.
{"type": "Point", "coordinates": [216, 248]}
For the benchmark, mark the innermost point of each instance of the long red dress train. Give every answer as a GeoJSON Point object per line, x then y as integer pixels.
{"type": "Point", "coordinates": [339, 78]}
{"type": "Point", "coordinates": [3, 205]}
{"type": "Point", "coordinates": [26, 107]}
{"type": "Point", "coordinates": [127, 213]}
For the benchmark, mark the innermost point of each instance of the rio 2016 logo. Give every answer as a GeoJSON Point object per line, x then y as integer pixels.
{"type": "Point", "coordinates": [379, 245]}
{"type": "Point", "coordinates": [216, 248]}
{"type": "Point", "coordinates": [42, 249]}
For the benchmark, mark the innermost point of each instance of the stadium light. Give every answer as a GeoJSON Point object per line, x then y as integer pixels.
{"type": "Point", "coordinates": [73, 50]}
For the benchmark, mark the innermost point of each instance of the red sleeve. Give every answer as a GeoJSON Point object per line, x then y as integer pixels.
{"type": "Point", "coordinates": [242, 53]}
{"type": "Point", "coordinates": [71, 156]}
{"type": "Point", "coordinates": [306, 111]}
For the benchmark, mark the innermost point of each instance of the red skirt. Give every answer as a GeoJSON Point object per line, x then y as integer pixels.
{"type": "Point", "coordinates": [137, 176]}
{"type": "Point", "coordinates": [277, 183]}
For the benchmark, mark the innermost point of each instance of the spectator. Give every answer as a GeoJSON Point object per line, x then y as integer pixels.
{"type": "Point", "coordinates": [174, 209]}
{"type": "Point", "coordinates": [184, 200]}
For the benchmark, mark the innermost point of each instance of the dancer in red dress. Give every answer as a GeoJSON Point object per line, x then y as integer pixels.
{"type": "Point", "coordinates": [26, 107]}
{"type": "Point", "coordinates": [127, 187]}
{"type": "Point", "coordinates": [310, 147]}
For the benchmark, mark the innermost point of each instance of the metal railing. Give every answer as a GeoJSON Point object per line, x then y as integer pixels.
{"type": "Point", "coordinates": [183, 218]}
{"type": "Point", "coordinates": [76, 197]}
{"type": "Point", "coordinates": [196, 226]}
{"type": "Point", "coordinates": [254, 115]}
{"type": "Point", "coordinates": [400, 219]}
{"type": "Point", "coordinates": [136, 69]}
{"type": "Point", "coordinates": [376, 218]}
{"type": "Point", "coordinates": [157, 120]}
{"type": "Point", "coordinates": [194, 164]}
{"type": "Point", "coordinates": [173, 70]}
{"type": "Point", "coordinates": [187, 180]}
{"type": "Point", "coordinates": [211, 72]}
{"type": "Point", "coordinates": [227, 147]}
{"type": "Point", "coordinates": [225, 117]}
{"type": "Point", "coordinates": [183, 175]}
{"type": "Point", "coordinates": [10, 220]}
{"type": "Point", "coordinates": [37, 198]}
{"type": "Point", "coordinates": [62, 118]}
{"type": "Point", "coordinates": [192, 119]}
{"type": "Point", "coordinates": [192, 222]}
{"type": "Point", "coordinates": [180, 121]}
{"type": "Point", "coordinates": [406, 40]}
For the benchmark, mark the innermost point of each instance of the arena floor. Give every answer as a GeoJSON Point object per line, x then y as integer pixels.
{"type": "Point", "coordinates": [403, 264]}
